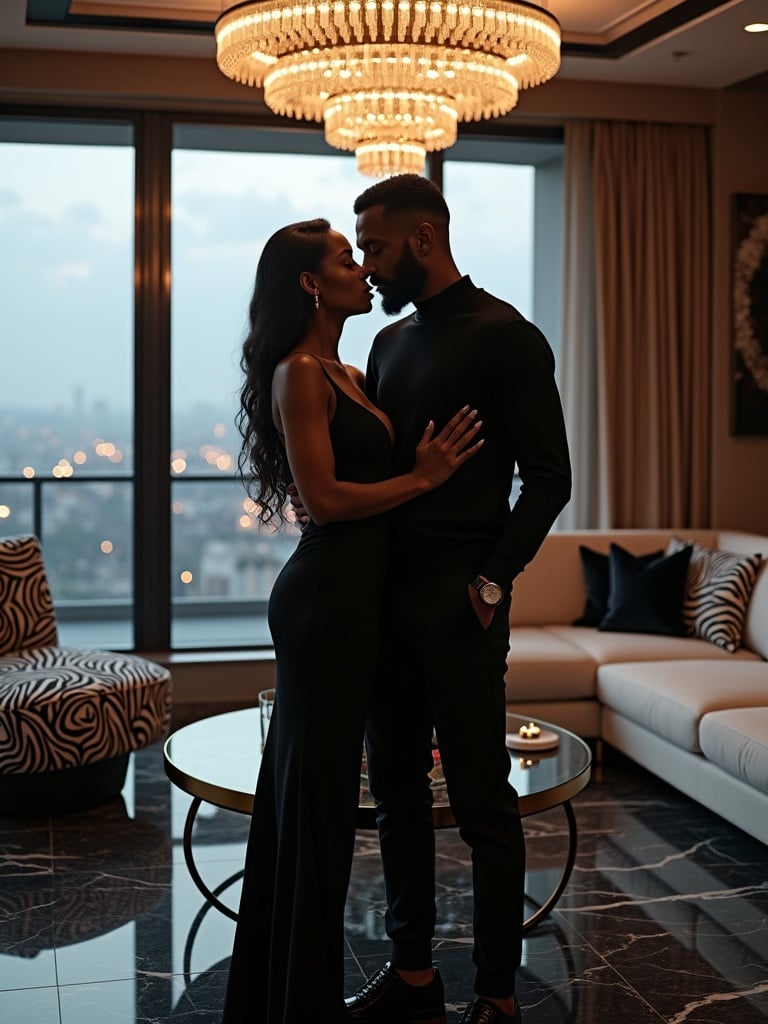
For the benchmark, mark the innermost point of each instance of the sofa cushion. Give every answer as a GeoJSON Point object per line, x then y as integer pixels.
{"type": "Point", "coordinates": [552, 587]}
{"type": "Point", "coordinates": [670, 698]}
{"type": "Point", "coordinates": [609, 647]}
{"type": "Point", "coordinates": [646, 596]}
{"type": "Point", "coordinates": [597, 581]}
{"type": "Point", "coordinates": [755, 633]}
{"type": "Point", "coordinates": [737, 741]}
{"type": "Point", "coordinates": [717, 594]}
{"type": "Point", "coordinates": [541, 666]}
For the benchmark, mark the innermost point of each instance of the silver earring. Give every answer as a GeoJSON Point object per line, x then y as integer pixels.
{"type": "Point", "coordinates": [317, 299]}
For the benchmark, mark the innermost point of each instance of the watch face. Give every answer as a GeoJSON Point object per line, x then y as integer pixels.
{"type": "Point", "coordinates": [491, 593]}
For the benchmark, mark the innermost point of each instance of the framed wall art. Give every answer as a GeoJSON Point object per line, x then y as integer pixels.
{"type": "Point", "coordinates": [750, 314]}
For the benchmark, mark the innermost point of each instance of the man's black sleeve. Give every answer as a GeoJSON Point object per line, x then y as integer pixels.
{"type": "Point", "coordinates": [522, 381]}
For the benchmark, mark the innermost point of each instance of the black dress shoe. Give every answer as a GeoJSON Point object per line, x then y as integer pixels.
{"type": "Point", "coordinates": [386, 999]}
{"type": "Point", "coordinates": [482, 1011]}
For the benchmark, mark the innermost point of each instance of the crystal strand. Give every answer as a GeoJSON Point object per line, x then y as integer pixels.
{"type": "Point", "coordinates": [433, 22]}
{"type": "Point", "coordinates": [355, 20]}
{"type": "Point", "coordinates": [403, 20]}
{"type": "Point", "coordinates": [452, 22]}
{"type": "Point", "coordinates": [387, 18]}
{"type": "Point", "coordinates": [372, 19]}
{"type": "Point", "coordinates": [420, 19]}
{"type": "Point", "coordinates": [341, 21]}
{"type": "Point", "coordinates": [323, 15]}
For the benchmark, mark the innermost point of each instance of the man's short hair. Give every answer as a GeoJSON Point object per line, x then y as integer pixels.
{"type": "Point", "coordinates": [404, 193]}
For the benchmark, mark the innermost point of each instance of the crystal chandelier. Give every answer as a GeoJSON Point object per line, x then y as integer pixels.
{"type": "Point", "coordinates": [390, 79]}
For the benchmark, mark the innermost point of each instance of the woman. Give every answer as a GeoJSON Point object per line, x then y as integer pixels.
{"type": "Point", "coordinates": [304, 418]}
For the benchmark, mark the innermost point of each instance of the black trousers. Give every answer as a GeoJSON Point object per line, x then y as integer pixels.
{"type": "Point", "coordinates": [439, 667]}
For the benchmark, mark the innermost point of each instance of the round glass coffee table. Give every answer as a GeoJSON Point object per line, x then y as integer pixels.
{"type": "Point", "coordinates": [216, 760]}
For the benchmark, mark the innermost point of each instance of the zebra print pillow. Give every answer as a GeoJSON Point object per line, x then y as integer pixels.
{"type": "Point", "coordinates": [718, 589]}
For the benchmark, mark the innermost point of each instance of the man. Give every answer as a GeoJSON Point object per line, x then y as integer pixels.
{"type": "Point", "coordinates": [456, 553]}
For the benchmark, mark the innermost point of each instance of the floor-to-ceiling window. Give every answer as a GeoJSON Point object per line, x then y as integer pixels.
{"type": "Point", "coordinates": [66, 384]}
{"type": "Point", "coordinates": [75, 355]}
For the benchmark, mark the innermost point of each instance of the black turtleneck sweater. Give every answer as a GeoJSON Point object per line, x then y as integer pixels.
{"type": "Point", "coordinates": [464, 346]}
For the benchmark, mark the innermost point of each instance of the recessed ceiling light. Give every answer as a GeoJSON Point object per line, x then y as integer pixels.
{"type": "Point", "coordinates": [757, 26]}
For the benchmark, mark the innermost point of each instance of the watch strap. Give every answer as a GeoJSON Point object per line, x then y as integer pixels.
{"type": "Point", "coordinates": [479, 582]}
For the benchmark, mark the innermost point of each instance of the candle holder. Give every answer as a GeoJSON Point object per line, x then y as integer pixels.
{"type": "Point", "coordinates": [531, 736]}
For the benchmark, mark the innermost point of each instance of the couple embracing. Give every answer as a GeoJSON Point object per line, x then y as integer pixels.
{"type": "Point", "coordinates": [390, 620]}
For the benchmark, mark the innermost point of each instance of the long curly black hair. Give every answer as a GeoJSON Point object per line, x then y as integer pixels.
{"type": "Point", "coordinates": [279, 314]}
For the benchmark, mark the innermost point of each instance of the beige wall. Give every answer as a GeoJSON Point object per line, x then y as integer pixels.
{"type": "Point", "coordinates": [739, 122]}
{"type": "Point", "coordinates": [59, 77]}
{"type": "Point", "coordinates": [740, 464]}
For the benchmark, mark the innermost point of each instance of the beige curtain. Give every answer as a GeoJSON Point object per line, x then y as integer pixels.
{"type": "Point", "coordinates": [579, 369]}
{"type": "Point", "coordinates": [636, 340]}
{"type": "Point", "coordinates": [652, 241]}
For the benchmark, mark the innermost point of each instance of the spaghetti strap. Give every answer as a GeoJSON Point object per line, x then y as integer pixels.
{"type": "Point", "coordinates": [377, 414]}
{"type": "Point", "coordinates": [318, 359]}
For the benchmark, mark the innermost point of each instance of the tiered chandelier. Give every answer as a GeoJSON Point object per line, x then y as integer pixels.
{"type": "Point", "coordinates": [389, 78]}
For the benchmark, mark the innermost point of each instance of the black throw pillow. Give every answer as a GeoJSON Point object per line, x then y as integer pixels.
{"type": "Point", "coordinates": [646, 598]}
{"type": "Point", "coordinates": [597, 580]}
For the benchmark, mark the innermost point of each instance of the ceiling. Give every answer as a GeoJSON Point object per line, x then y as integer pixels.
{"type": "Point", "coordinates": [697, 43]}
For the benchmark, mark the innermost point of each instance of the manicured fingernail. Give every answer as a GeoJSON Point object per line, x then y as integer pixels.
{"type": "Point", "coordinates": [465, 409]}
{"type": "Point", "coordinates": [478, 424]}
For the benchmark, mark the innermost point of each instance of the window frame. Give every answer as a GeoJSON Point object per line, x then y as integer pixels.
{"type": "Point", "coordinates": [152, 479]}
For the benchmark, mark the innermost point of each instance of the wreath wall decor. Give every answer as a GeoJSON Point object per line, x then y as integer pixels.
{"type": "Point", "coordinates": [750, 314]}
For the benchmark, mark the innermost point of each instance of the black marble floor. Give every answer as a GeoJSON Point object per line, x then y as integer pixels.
{"type": "Point", "coordinates": [665, 918]}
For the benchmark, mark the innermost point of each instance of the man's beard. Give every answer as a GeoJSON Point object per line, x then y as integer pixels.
{"type": "Point", "coordinates": [407, 282]}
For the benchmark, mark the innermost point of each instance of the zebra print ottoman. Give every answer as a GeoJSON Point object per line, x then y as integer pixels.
{"type": "Point", "coordinates": [69, 718]}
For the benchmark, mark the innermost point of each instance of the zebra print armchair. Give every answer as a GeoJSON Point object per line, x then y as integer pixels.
{"type": "Point", "coordinates": [69, 716]}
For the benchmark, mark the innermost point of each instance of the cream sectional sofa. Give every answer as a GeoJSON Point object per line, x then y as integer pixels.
{"type": "Point", "coordinates": [682, 707]}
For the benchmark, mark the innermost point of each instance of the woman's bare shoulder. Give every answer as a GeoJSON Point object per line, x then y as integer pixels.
{"type": "Point", "coordinates": [299, 365]}
{"type": "Point", "coordinates": [356, 374]}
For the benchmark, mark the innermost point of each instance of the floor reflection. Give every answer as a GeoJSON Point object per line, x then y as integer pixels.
{"type": "Point", "coordinates": [665, 918]}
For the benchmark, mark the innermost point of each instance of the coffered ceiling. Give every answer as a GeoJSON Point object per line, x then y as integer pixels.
{"type": "Point", "coordinates": [698, 43]}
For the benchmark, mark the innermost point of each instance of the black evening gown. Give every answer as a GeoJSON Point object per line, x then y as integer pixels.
{"type": "Point", "coordinates": [287, 961]}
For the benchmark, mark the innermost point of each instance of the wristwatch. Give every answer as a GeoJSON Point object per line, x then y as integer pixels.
{"type": "Point", "coordinates": [490, 593]}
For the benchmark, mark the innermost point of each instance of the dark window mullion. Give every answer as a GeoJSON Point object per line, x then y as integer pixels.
{"type": "Point", "coordinates": [434, 167]}
{"type": "Point", "coordinates": [152, 427]}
